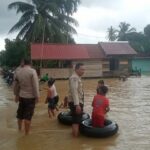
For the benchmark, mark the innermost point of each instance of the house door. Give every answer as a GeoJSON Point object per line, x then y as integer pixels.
{"type": "Point", "coordinates": [114, 64]}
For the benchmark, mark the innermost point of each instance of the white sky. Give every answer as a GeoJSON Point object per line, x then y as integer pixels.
{"type": "Point", "coordinates": [94, 18]}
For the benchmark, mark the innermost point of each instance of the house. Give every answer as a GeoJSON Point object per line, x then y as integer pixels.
{"type": "Point", "coordinates": [141, 63]}
{"type": "Point", "coordinates": [101, 60]}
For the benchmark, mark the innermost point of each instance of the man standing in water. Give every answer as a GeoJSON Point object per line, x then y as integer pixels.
{"type": "Point", "coordinates": [76, 97]}
{"type": "Point", "coordinates": [26, 90]}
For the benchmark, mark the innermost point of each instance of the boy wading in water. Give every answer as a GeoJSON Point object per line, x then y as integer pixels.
{"type": "Point", "coordinates": [52, 98]}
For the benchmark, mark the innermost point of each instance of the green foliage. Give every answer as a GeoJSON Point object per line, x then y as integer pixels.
{"type": "Point", "coordinates": [112, 34]}
{"type": "Point", "coordinates": [147, 31]}
{"type": "Point", "coordinates": [45, 20]}
{"type": "Point", "coordinates": [124, 28]}
{"type": "Point", "coordinates": [138, 40]}
{"type": "Point", "coordinates": [15, 51]}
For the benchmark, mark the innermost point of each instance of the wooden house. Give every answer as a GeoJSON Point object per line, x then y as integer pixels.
{"type": "Point", "coordinates": [141, 63]}
{"type": "Point", "coordinates": [100, 60]}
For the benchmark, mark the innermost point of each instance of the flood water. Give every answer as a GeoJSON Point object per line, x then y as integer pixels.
{"type": "Point", "coordinates": [130, 108]}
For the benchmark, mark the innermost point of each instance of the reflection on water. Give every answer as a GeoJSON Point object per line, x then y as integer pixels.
{"type": "Point", "coordinates": [130, 108]}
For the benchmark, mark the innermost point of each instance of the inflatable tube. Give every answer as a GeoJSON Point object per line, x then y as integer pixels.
{"type": "Point", "coordinates": [110, 129]}
{"type": "Point", "coordinates": [66, 118]}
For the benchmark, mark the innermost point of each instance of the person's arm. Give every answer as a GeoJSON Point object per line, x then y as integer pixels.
{"type": "Point", "coordinates": [16, 89]}
{"type": "Point", "coordinates": [35, 85]}
{"type": "Point", "coordinates": [93, 102]}
{"type": "Point", "coordinates": [107, 109]}
{"type": "Point", "coordinates": [74, 90]}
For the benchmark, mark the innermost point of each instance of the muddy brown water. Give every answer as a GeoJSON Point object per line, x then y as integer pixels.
{"type": "Point", "coordinates": [130, 108]}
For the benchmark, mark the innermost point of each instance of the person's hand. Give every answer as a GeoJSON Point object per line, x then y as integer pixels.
{"type": "Point", "coordinates": [36, 100]}
{"type": "Point", "coordinates": [16, 99]}
{"type": "Point", "coordinates": [78, 109]}
{"type": "Point", "coordinates": [46, 100]}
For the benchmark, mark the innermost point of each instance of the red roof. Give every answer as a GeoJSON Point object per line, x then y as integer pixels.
{"type": "Point", "coordinates": [65, 51]}
{"type": "Point", "coordinates": [80, 51]}
{"type": "Point", "coordinates": [117, 48]}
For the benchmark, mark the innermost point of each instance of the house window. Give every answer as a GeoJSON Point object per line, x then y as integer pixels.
{"type": "Point", "coordinates": [114, 64]}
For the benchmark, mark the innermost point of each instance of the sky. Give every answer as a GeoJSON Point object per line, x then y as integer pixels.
{"type": "Point", "coordinates": [94, 18]}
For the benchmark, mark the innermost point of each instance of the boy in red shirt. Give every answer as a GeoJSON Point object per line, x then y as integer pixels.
{"type": "Point", "coordinates": [100, 107]}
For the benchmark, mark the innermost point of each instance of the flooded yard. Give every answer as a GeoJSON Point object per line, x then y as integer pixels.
{"type": "Point", "coordinates": [130, 108]}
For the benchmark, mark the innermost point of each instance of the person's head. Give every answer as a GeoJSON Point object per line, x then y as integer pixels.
{"type": "Point", "coordinates": [51, 82]}
{"type": "Point", "coordinates": [102, 90]}
{"type": "Point", "coordinates": [79, 69]}
{"type": "Point", "coordinates": [100, 83]}
{"type": "Point", "coordinates": [22, 63]}
{"type": "Point", "coordinates": [26, 61]}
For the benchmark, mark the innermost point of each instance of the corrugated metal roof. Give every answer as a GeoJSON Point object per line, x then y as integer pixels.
{"type": "Point", "coordinates": [65, 51]}
{"type": "Point", "coordinates": [94, 51]}
{"type": "Point", "coordinates": [80, 51]}
{"type": "Point", "coordinates": [117, 48]}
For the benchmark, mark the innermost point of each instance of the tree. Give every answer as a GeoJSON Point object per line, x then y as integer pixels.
{"type": "Point", "coordinates": [44, 20]}
{"type": "Point", "coordinates": [2, 58]}
{"type": "Point", "coordinates": [112, 33]}
{"type": "Point", "coordinates": [147, 31]}
{"type": "Point", "coordinates": [124, 28]}
{"type": "Point", "coordinates": [15, 51]}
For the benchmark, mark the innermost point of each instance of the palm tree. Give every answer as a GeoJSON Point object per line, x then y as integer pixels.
{"type": "Point", "coordinates": [112, 34]}
{"type": "Point", "coordinates": [124, 29]}
{"type": "Point", "coordinates": [42, 16]}
{"type": "Point", "coordinates": [68, 7]}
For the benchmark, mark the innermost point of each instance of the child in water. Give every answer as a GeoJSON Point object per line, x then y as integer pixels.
{"type": "Point", "coordinates": [100, 106]}
{"type": "Point", "coordinates": [52, 98]}
{"type": "Point", "coordinates": [64, 104]}
{"type": "Point", "coordinates": [100, 83]}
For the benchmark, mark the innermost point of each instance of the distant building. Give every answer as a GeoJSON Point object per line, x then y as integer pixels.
{"type": "Point", "coordinates": [141, 62]}
{"type": "Point", "coordinates": [101, 60]}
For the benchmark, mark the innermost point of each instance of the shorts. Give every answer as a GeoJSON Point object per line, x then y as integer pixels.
{"type": "Point", "coordinates": [98, 120]}
{"type": "Point", "coordinates": [52, 102]}
{"type": "Point", "coordinates": [56, 99]}
{"type": "Point", "coordinates": [76, 118]}
{"type": "Point", "coordinates": [26, 108]}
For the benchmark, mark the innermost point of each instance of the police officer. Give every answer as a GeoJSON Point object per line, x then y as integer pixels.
{"type": "Point", "coordinates": [76, 97]}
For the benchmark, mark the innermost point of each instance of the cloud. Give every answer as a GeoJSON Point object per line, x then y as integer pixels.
{"type": "Point", "coordinates": [98, 15]}
{"type": "Point", "coordinates": [109, 4]}
{"type": "Point", "coordinates": [8, 17]}
{"type": "Point", "coordinates": [94, 17]}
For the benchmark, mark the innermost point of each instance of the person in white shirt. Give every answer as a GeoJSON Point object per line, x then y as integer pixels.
{"type": "Point", "coordinates": [76, 97]}
{"type": "Point", "coordinates": [26, 91]}
{"type": "Point", "coordinates": [52, 98]}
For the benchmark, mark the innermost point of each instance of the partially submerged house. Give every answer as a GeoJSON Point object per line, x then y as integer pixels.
{"type": "Point", "coordinates": [141, 63]}
{"type": "Point", "coordinates": [100, 60]}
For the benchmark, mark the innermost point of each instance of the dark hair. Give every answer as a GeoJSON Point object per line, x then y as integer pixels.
{"type": "Point", "coordinates": [51, 81]}
{"type": "Point", "coordinates": [101, 81]}
{"type": "Point", "coordinates": [77, 66]}
{"type": "Point", "coordinates": [102, 90]}
{"type": "Point", "coordinates": [27, 60]}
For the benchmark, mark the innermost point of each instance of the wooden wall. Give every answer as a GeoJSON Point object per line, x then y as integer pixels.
{"type": "Point", "coordinates": [93, 68]}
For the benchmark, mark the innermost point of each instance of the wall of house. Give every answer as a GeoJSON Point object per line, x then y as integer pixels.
{"type": "Point", "coordinates": [141, 64]}
{"type": "Point", "coordinates": [123, 68]}
{"type": "Point", "coordinates": [92, 69]}
{"type": "Point", "coordinates": [58, 73]}
{"type": "Point", "coordinates": [106, 68]}
{"type": "Point", "coordinates": [124, 65]}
